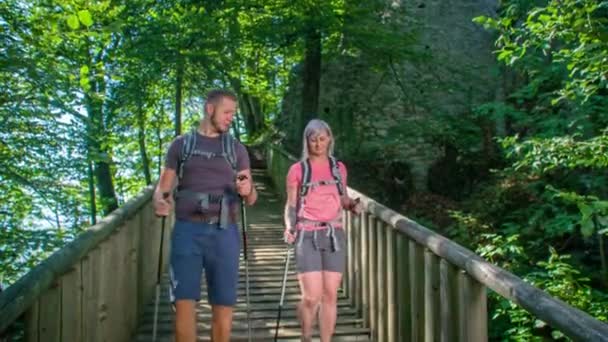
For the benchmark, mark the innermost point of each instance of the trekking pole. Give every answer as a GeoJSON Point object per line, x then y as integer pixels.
{"type": "Point", "coordinates": [159, 271]}
{"type": "Point", "coordinates": [287, 259]}
{"type": "Point", "coordinates": [246, 261]}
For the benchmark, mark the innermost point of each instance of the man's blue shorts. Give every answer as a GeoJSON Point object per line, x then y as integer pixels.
{"type": "Point", "coordinates": [200, 246]}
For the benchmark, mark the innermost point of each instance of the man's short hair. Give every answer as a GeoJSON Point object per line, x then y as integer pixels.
{"type": "Point", "coordinates": [215, 95]}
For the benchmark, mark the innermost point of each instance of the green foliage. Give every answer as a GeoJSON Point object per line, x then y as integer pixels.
{"type": "Point", "coordinates": [538, 156]}
{"type": "Point", "coordinates": [570, 34]}
{"type": "Point", "coordinates": [594, 212]}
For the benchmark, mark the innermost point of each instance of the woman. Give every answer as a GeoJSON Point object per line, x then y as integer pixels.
{"type": "Point", "coordinates": [316, 195]}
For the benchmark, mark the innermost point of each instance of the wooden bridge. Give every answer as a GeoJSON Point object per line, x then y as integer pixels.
{"type": "Point", "coordinates": [403, 282]}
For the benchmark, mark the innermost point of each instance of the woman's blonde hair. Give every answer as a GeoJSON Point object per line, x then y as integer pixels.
{"type": "Point", "coordinates": [314, 128]}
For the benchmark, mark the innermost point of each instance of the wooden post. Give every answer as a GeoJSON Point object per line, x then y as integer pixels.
{"type": "Point", "coordinates": [365, 283]}
{"type": "Point", "coordinates": [416, 291]}
{"type": "Point", "coordinates": [391, 286]}
{"type": "Point", "coordinates": [106, 287]}
{"type": "Point", "coordinates": [135, 260]}
{"type": "Point", "coordinates": [345, 289]}
{"type": "Point", "coordinates": [50, 314]}
{"type": "Point", "coordinates": [462, 307]}
{"type": "Point", "coordinates": [356, 222]}
{"type": "Point", "coordinates": [431, 297]}
{"type": "Point", "coordinates": [373, 275]}
{"type": "Point", "coordinates": [91, 282]}
{"type": "Point", "coordinates": [142, 256]}
{"type": "Point", "coordinates": [476, 304]}
{"type": "Point", "coordinates": [449, 301]}
{"type": "Point", "coordinates": [351, 259]}
{"type": "Point", "coordinates": [403, 287]}
{"type": "Point", "coordinates": [31, 324]}
{"type": "Point", "coordinates": [131, 274]}
{"type": "Point", "coordinates": [148, 261]}
{"type": "Point", "coordinates": [121, 300]}
{"type": "Point", "coordinates": [71, 305]}
{"type": "Point", "coordinates": [381, 276]}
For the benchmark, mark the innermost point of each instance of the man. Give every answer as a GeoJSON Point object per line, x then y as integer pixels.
{"type": "Point", "coordinates": [209, 184]}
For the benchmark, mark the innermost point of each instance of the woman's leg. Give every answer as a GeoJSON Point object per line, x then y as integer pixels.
{"type": "Point", "coordinates": [329, 301]}
{"type": "Point", "coordinates": [311, 286]}
{"type": "Point", "coordinates": [333, 264]}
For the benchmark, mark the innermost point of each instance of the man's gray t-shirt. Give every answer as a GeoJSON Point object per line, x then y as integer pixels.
{"type": "Point", "coordinates": [213, 176]}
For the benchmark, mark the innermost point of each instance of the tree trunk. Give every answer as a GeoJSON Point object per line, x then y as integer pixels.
{"type": "Point", "coordinates": [141, 137]}
{"type": "Point", "coordinates": [105, 185]}
{"type": "Point", "coordinates": [244, 108]}
{"type": "Point", "coordinates": [99, 152]}
{"type": "Point", "coordinates": [258, 114]}
{"type": "Point", "coordinates": [235, 128]}
{"type": "Point", "coordinates": [179, 83]}
{"type": "Point", "coordinates": [101, 171]}
{"type": "Point", "coordinates": [159, 138]}
{"type": "Point", "coordinates": [249, 114]}
{"type": "Point", "coordinates": [603, 259]}
{"type": "Point", "coordinates": [92, 191]}
{"type": "Point", "coordinates": [489, 146]}
{"type": "Point", "coordinates": [311, 77]}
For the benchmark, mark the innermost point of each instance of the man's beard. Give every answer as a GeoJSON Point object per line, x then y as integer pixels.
{"type": "Point", "coordinates": [216, 125]}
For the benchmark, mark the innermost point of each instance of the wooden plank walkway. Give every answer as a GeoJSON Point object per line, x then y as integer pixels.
{"type": "Point", "coordinates": [266, 262]}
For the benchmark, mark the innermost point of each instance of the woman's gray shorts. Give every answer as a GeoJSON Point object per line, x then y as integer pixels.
{"type": "Point", "coordinates": [318, 251]}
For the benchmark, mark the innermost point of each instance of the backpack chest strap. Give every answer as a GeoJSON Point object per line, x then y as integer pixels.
{"type": "Point", "coordinates": [307, 175]}
{"type": "Point", "coordinates": [320, 182]}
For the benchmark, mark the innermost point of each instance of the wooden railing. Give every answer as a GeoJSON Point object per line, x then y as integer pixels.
{"type": "Point", "coordinates": [412, 284]}
{"type": "Point", "coordinates": [94, 288]}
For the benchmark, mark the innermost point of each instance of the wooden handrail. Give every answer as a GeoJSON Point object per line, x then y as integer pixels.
{"type": "Point", "coordinates": [71, 294]}
{"type": "Point", "coordinates": [573, 322]}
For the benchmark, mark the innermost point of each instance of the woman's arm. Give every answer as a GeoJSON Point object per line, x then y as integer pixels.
{"type": "Point", "coordinates": [290, 213]}
{"type": "Point", "coordinates": [347, 202]}
{"type": "Point", "coordinates": [351, 204]}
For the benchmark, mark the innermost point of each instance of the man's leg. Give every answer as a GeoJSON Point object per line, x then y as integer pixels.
{"type": "Point", "coordinates": [185, 321]}
{"type": "Point", "coordinates": [222, 274]}
{"type": "Point", "coordinates": [185, 276]}
{"type": "Point", "coordinates": [311, 286]}
{"type": "Point", "coordinates": [222, 323]}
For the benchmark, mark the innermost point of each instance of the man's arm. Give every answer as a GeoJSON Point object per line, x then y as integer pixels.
{"type": "Point", "coordinates": [162, 203]}
{"type": "Point", "coordinates": [244, 181]}
{"type": "Point", "coordinates": [245, 186]}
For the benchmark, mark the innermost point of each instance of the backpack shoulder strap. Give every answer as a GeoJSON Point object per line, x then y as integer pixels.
{"type": "Point", "coordinates": [335, 172]}
{"type": "Point", "coordinates": [229, 150]}
{"type": "Point", "coordinates": [306, 176]}
{"type": "Point", "coordinates": [305, 167]}
{"type": "Point", "coordinates": [188, 146]}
